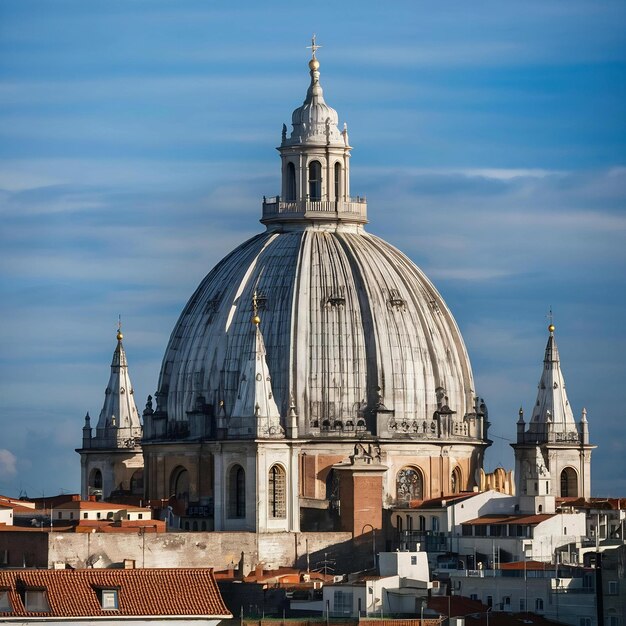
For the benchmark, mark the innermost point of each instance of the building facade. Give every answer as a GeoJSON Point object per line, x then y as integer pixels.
{"type": "Point", "coordinates": [311, 356]}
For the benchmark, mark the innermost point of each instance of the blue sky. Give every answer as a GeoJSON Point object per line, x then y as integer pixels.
{"type": "Point", "coordinates": [137, 138]}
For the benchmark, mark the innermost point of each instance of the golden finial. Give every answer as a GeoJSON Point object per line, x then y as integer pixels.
{"type": "Point", "coordinates": [314, 64]}
{"type": "Point", "coordinates": [119, 328]}
{"type": "Point", "coordinates": [256, 320]}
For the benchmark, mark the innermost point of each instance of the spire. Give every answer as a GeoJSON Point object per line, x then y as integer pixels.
{"type": "Point", "coordinates": [255, 412]}
{"type": "Point", "coordinates": [119, 424]}
{"type": "Point", "coordinates": [552, 410]}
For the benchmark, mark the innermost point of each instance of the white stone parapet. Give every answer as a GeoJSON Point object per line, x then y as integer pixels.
{"type": "Point", "coordinates": [351, 210]}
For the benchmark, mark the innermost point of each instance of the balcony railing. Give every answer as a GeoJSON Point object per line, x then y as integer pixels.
{"type": "Point", "coordinates": [352, 209]}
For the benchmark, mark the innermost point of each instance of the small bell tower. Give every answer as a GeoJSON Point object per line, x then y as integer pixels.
{"type": "Point", "coordinates": [552, 452]}
{"type": "Point", "coordinates": [111, 460]}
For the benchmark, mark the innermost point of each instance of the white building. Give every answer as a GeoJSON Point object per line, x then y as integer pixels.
{"type": "Point", "coordinates": [402, 587]}
{"type": "Point", "coordinates": [6, 514]}
{"type": "Point", "coordinates": [99, 511]}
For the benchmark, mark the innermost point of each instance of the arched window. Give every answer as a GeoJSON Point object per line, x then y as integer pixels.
{"type": "Point", "coordinates": [409, 484]}
{"type": "Point", "coordinates": [291, 183]}
{"type": "Point", "coordinates": [422, 523]}
{"type": "Point", "coordinates": [399, 523]}
{"type": "Point", "coordinates": [569, 483]}
{"type": "Point", "coordinates": [315, 180]}
{"type": "Point", "coordinates": [276, 491]}
{"type": "Point", "coordinates": [95, 484]}
{"type": "Point", "coordinates": [179, 484]}
{"type": "Point", "coordinates": [136, 483]}
{"type": "Point", "coordinates": [455, 480]}
{"type": "Point", "coordinates": [337, 181]}
{"type": "Point", "coordinates": [95, 479]}
{"type": "Point", "coordinates": [237, 491]}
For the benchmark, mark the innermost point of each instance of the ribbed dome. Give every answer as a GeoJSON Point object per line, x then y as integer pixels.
{"type": "Point", "coordinates": [349, 322]}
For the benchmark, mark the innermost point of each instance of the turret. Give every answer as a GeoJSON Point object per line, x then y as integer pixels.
{"type": "Point", "coordinates": [521, 425]}
{"type": "Point", "coordinates": [255, 413]}
{"type": "Point", "coordinates": [87, 432]}
{"type": "Point", "coordinates": [584, 428]}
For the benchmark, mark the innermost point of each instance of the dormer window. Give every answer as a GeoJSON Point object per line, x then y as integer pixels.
{"type": "Point", "coordinates": [35, 600]}
{"type": "Point", "coordinates": [109, 600]}
{"type": "Point", "coordinates": [5, 602]}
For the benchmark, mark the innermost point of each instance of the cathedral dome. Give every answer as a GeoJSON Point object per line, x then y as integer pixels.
{"type": "Point", "coordinates": [356, 337]}
{"type": "Point", "coordinates": [349, 323]}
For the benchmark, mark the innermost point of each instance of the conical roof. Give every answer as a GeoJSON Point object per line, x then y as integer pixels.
{"type": "Point", "coordinates": [552, 406]}
{"type": "Point", "coordinates": [119, 419]}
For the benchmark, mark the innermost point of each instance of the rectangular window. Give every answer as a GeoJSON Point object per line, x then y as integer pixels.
{"type": "Point", "coordinates": [85, 515]}
{"type": "Point", "coordinates": [538, 605]}
{"type": "Point", "coordinates": [474, 596]}
{"type": "Point", "coordinates": [480, 531]}
{"type": "Point", "coordinates": [109, 599]}
{"type": "Point", "coordinates": [613, 587]}
{"type": "Point", "coordinates": [490, 601]}
{"type": "Point", "coordinates": [60, 515]}
{"type": "Point", "coordinates": [98, 514]}
{"type": "Point", "coordinates": [71, 515]}
{"type": "Point", "coordinates": [467, 531]}
{"type": "Point", "coordinates": [36, 601]}
{"type": "Point", "coordinates": [5, 603]}
{"type": "Point", "coordinates": [140, 516]}
{"type": "Point", "coordinates": [343, 602]}
{"type": "Point", "coordinates": [522, 605]}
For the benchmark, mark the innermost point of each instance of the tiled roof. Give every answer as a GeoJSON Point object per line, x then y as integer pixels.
{"type": "Point", "coordinates": [440, 502]}
{"type": "Point", "coordinates": [145, 592]}
{"type": "Point", "coordinates": [594, 503]}
{"type": "Point", "coordinates": [88, 505]}
{"type": "Point", "coordinates": [528, 565]}
{"type": "Point", "coordinates": [509, 519]}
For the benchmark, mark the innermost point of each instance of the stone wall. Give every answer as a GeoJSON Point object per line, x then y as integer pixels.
{"type": "Point", "coordinates": [207, 549]}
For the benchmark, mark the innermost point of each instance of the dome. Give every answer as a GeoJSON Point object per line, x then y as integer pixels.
{"type": "Point", "coordinates": [349, 322]}
{"type": "Point", "coordinates": [356, 337]}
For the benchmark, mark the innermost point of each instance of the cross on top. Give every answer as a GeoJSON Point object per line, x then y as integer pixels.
{"type": "Point", "coordinates": [550, 316]}
{"type": "Point", "coordinates": [314, 47]}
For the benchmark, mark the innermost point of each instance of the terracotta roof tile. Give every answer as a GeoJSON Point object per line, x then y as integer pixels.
{"type": "Point", "coordinates": [73, 593]}
{"type": "Point", "coordinates": [509, 519]}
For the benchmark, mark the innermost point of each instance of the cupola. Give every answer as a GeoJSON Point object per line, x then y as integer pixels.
{"type": "Point", "coordinates": [315, 166]}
